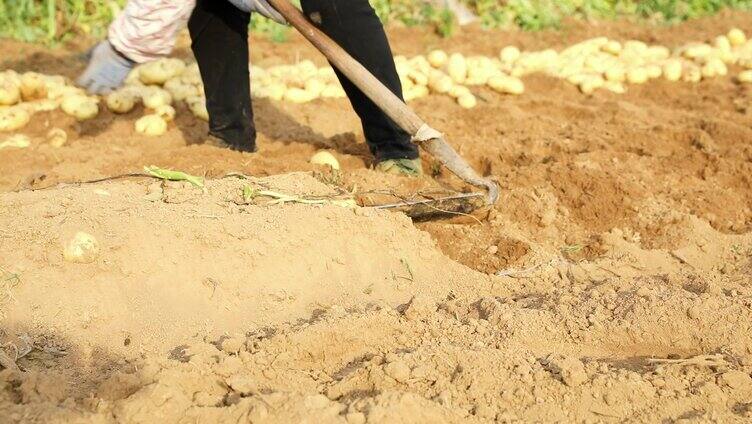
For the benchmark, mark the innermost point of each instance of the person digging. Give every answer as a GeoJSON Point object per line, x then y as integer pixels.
{"type": "Point", "coordinates": [147, 29]}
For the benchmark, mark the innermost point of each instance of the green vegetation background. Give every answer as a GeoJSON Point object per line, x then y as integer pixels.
{"type": "Point", "coordinates": [52, 21]}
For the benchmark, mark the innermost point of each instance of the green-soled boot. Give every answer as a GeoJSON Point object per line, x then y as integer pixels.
{"type": "Point", "coordinates": [404, 167]}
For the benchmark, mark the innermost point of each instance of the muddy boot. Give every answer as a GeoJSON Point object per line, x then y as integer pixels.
{"type": "Point", "coordinates": [404, 167]}
{"type": "Point", "coordinates": [218, 142]}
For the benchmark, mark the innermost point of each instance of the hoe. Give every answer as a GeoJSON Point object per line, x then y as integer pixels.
{"type": "Point", "coordinates": [428, 138]}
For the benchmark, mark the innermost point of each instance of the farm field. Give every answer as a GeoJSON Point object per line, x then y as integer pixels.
{"type": "Point", "coordinates": [612, 282]}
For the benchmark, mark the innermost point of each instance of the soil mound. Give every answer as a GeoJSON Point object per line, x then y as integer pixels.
{"type": "Point", "coordinates": [175, 262]}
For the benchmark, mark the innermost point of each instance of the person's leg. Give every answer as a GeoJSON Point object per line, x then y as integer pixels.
{"type": "Point", "coordinates": [219, 33]}
{"type": "Point", "coordinates": [353, 24]}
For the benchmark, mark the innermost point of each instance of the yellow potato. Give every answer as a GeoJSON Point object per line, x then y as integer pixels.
{"type": "Point", "coordinates": [745, 76]}
{"type": "Point", "coordinates": [13, 118]}
{"type": "Point", "coordinates": [467, 101]}
{"type": "Point", "coordinates": [10, 93]}
{"type": "Point", "coordinates": [325, 158]}
{"type": "Point", "coordinates": [298, 95]}
{"type": "Point", "coordinates": [179, 90]}
{"type": "Point", "coordinates": [458, 91]}
{"type": "Point", "coordinates": [691, 73]}
{"type": "Point", "coordinates": [440, 83]}
{"type": "Point", "coordinates": [437, 58]}
{"type": "Point", "coordinates": [161, 70]}
{"type": "Point", "coordinates": [612, 47]}
{"type": "Point", "coordinates": [415, 92]}
{"type": "Point", "coordinates": [155, 97]}
{"type": "Point", "coordinates": [56, 137]}
{"type": "Point", "coordinates": [151, 125]}
{"type": "Point", "coordinates": [456, 68]}
{"type": "Point", "coordinates": [722, 43]}
{"type": "Point", "coordinates": [80, 107]}
{"type": "Point", "coordinates": [33, 86]}
{"type": "Point", "coordinates": [334, 91]}
{"type": "Point", "coordinates": [591, 83]}
{"type": "Point", "coordinates": [42, 105]}
{"type": "Point", "coordinates": [509, 54]}
{"type": "Point", "coordinates": [197, 105]}
{"type": "Point", "coordinates": [653, 71]}
{"type": "Point", "coordinates": [697, 50]}
{"type": "Point", "coordinates": [315, 86]}
{"type": "Point", "coordinates": [120, 101]}
{"type": "Point", "coordinates": [18, 141]}
{"type": "Point", "coordinates": [637, 75]}
{"type": "Point", "coordinates": [82, 248]}
{"type": "Point", "coordinates": [736, 37]}
{"type": "Point", "coordinates": [714, 67]}
{"type": "Point", "coordinates": [60, 92]}
{"type": "Point", "coordinates": [672, 69]}
{"type": "Point", "coordinates": [616, 73]}
{"type": "Point", "coordinates": [506, 84]}
{"type": "Point", "coordinates": [419, 78]}
{"type": "Point", "coordinates": [276, 91]}
{"type": "Point", "coordinates": [166, 112]}
{"type": "Point", "coordinates": [615, 87]}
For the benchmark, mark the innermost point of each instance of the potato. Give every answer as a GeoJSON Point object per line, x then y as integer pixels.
{"type": "Point", "coordinates": [151, 125]}
{"type": "Point", "coordinates": [197, 105]}
{"type": "Point", "coordinates": [299, 95]}
{"type": "Point", "coordinates": [714, 67]}
{"type": "Point", "coordinates": [325, 158]}
{"type": "Point", "coordinates": [440, 83]}
{"type": "Point", "coordinates": [672, 69]}
{"type": "Point", "coordinates": [42, 105]}
{"type": "Point", "coordinates": [60, 92]}
{"type": "Point", "coordinates": [160, 70]}
{"type": "Point", "coordinates": [591, 83]}
{"type": "Point", "coordinates": [134, 77]}
{"type": "Point", "coordinates": [56, 137]}
{"type": "Point", "coordinates": [18, 141]}
{"type": "Point", "coordinates": [736, 37]}
{"type": "Point", "coordinates": [275, 91]}
{"type": "Point", "coordinates": [82, 248]}
{"type": "Point", "coordinates": [509, 54]}
{"type": "Point", "coordinates": [13, 118]}
{"type": "Point", "coordinates": [179, 90]}
{"type": "Point", "coordinates": [467, 101]}
{"type": "Point", "coordinates": [615, 87]}
{"type": "Point", "coordinates": [166, 112]}
{"type": "Point", "coordinates": [637, 75]}
{"type": "Point", "coordinates": [80, 107]}
{"type": "Point", "coordinates": [10, 93]}
{"type": "Point", "coordinates": [653, 71]}
{"type": "Point", "coordinates": [191, 75]}
{"type": "Point", "coordinates": [506, 84]}
{"type": "Point", "coordinates": [334, 91]}
{"type": "Point", "coordinates": [697, 50]}
{"type": "Point", "coordinates": [745, 76]}
{"type": "Point", "coordinates": [616, 73]}
{"type": "Point", "coordinates": [33, 86]}
{"type": "Point", "coordinates": [120, 101]}
{"type": "Point", "coordinates": [722, 43]}
{"type": "Point", "coordinates": [456, 68]}
{"type": "Point", "coordinates": [415, 92]}
{"type": "Point", "coordinates": [437, 58]}
{"type": "Point", "coordinates": [315, 86]}
{"type": "Point", "coordinates": [612, 47]}
{"type": "Point", "coordinates": [155, 97]}
{"type": "Point", "coordinates": [327, 73]}
{"type": "Point", "coordinates": [691, 73]}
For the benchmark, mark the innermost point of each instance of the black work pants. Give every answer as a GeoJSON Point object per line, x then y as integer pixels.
{"type": "Point", "coordinates": [220, 44]}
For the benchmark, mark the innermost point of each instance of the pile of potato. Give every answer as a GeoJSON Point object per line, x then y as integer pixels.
{"type": "Point", "coordinates": [598, 63]}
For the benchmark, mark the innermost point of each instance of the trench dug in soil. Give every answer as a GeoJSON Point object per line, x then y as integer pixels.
{"type": "Point", "coordinates": [611, 283]}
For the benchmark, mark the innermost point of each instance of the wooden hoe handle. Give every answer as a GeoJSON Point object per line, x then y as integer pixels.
{"type": "Point", "coordinates": [428, 138]}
